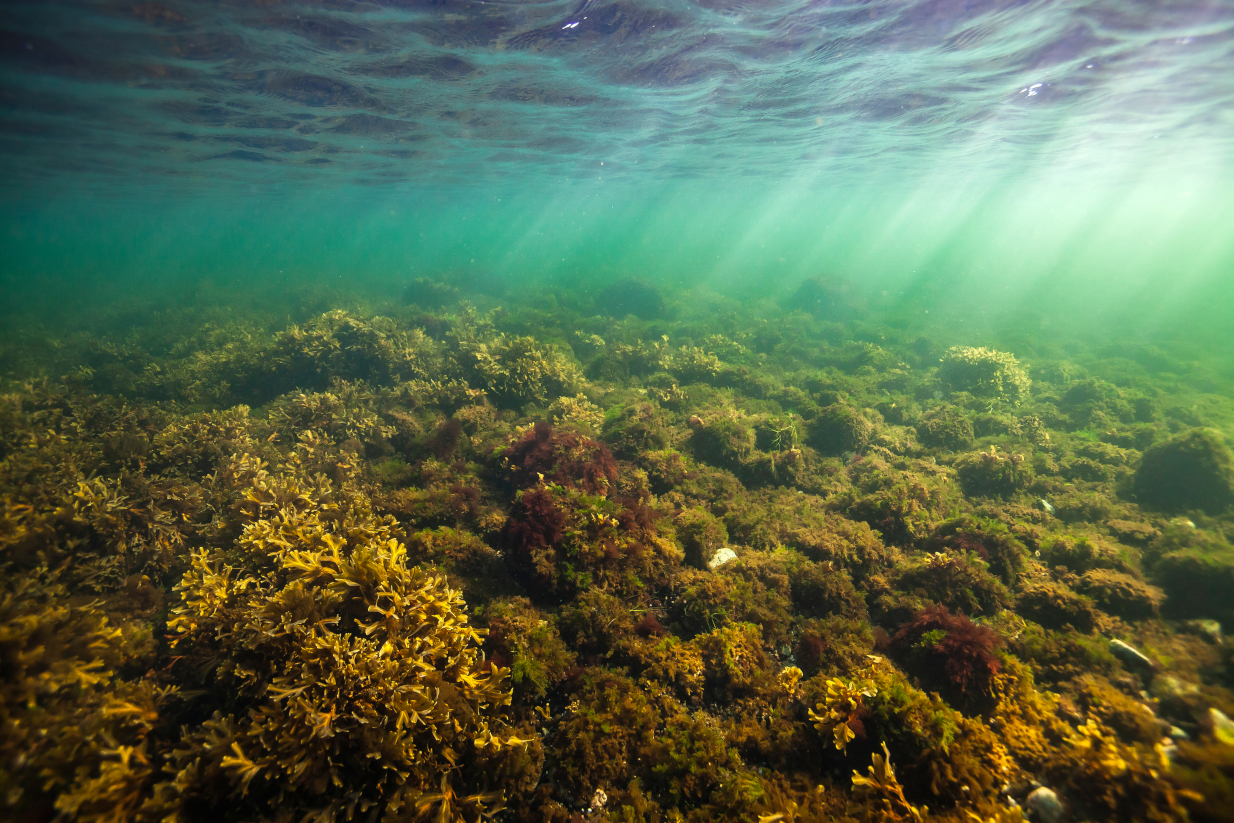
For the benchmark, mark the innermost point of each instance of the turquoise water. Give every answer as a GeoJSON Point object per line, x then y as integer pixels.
{"type": "Point", "coordinates": [1066, 156]}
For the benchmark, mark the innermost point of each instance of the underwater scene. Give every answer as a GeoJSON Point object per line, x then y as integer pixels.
{"type": "Point", "coordinates": [647, 411]}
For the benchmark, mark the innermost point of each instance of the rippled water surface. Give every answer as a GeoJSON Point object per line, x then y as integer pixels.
{"type": "Point", "coordinates": [382, 91]}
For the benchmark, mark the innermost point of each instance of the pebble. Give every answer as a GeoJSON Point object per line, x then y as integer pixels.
{"type": "Point", "coordinates": [1223, 727]}
{"type": "Point", "coordinates": [1170, 686]}
{"type": "Point", "coordinates": [721, 557]}
{"type": "Point", "coordinates": [1045, 805]}
{"type": "Point", "coordinates": [1210, 630]}
{"type": "Point", "coordinates": [1129, 654]}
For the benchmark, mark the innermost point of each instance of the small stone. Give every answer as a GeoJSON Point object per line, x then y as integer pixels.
{"type": "Point", "coordinates": [721, 557]}
{"type": "Point", "coordinates": [1210, 630]}
{"type": "Point", "coordinates": [1171, 687]}
{"type": "Point", "coordinates": [1129, 655]}
{"type": "Point", "coordinates": [1223, 727]}
{"type": "Point", "coordinates": [1045, 805]}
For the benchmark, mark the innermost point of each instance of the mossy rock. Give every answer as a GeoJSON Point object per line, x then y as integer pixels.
{"type": "Point", "coordinates": [1058, 656]}
{"type": "Point", "coordinates": [1199, 580]}
{"type": "Point", "coordinates": [630, 430]}
{"type": "Point", "coordinates": [1084, 553]}
{"type": "Point", "coordinates": [827, 298]}
{"type": "Point", "coordinates": [430, 294]}
{"type": "Point", "coordinates": [840, 428]}
{"type": "Point", "coordinates": [990, 474]}
{"type": "Point", "coordinates": [984, 372]}
{"type": "Point", "coordinates": [1055, 606]}
{"type": "Point", "coordinates": [1193, 470]}
{"type": "Point", "coordinates": [1130, 718]}
{"type": "Point", "coordinates": [946, 427]}
{"type": "Point", "coordinates": [1121, 594]}
{"type": "Point", "coordinates": [960, 582]}
{"type": "Point", "coordinates": [1097, 404]}
{"type": "Point", "coordinates": [701, 535]}
{"type": "Point", "coordinates": [723, 442]}
{"type": "Point", "coordinates": [631, 297]}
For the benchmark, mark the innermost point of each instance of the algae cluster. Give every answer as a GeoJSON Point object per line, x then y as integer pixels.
{"type": "Point", "coordinates": [445, 561]}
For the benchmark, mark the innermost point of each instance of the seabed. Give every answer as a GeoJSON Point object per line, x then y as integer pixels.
{"type": "Point", "coordinates": [667, 558]}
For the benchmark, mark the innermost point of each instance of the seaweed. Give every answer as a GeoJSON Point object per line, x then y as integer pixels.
{"type": "Point", "coordinates": [952, 649]}
{"type": "Point", "coordinates": [541, 455]}
{"type": "Point", "coordinates": [264, 612]}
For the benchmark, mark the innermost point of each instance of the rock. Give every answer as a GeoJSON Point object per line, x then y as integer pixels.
{"type": "Point", "coordinates": [721, 557]}
{"type": "Point", "coordinates": [1178, 734]}
{"type": "Point", "coordinates": [1171, 688]}
{"type": "Point", "coordinates": [1130, 655]}
{"type": "Point", "coordinates": [1210, 630]}
{"type": "Point", "coordinates": [1192, 470]}
{"type": "Point", "coordinates": [828, 298]}
{"type": "Point", "coordinates": [630, 296]}
{"type": "Point", "coordinates": [1197, 575]}
{"type": "Point", "coordinates": [1223, 727]}
{"type": "Point", "coordinates": [840, 429]}
{"type": "Point", "coordinates": [1045, 805]}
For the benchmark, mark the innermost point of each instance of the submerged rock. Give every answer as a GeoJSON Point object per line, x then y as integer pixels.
{"type": "Point", "coordinates": [430, 294]}
{"type": "Point", "coordinates": [1222, 726]}
{"type": "Point", "coordinates": [1045, 805]}
{"type": "Point", "coordinates": [984, 372]}
{"type": "Point", "coordinates": [631, 296]}
{"type": "Point", "coordinates": [827, 298]}
{"type": "Point", "coordinates": [1210, 630]}
{"type": "Point", "coordinates": [946, 427]}
{"type": "Point", "coordinates": [1129, 655]}
{"type": "Point", "coordinates": [840, 428]}
{"type": "Point", "coordinates": [1197, 574]}
{"type": "Point", "coordinates": [721, 557]}
{"type": "Point", "coordinates": [1193, 470]}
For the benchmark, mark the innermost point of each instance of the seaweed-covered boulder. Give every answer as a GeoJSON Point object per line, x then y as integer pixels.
{"type": "Point", "coordinates": [989, 473]}
{"type": "Point", "coordinates": [1197, 572]}
{"type": "Point", "coordinates": [984, 372]}
{"type": "Point", "coordinates": [1098, 404]}
{"type": "Point", "coordinates": [701, 535]}
{"type": "Point", "coordinates": [1055, 606]}
{"type": "Point", "coordinates": [429, 294]}
{"type": "Point", "coordinates": [827, 298]}
{"type": "Point", "coordinates": [961, 582]}
{"type": "Point", "coordinates": [840, 428]}
{"type": "Point", "coordinates": [630, 296]}
{"type": "Point", "coordinates": [1121, 594]}
{"type": "Point", "coordinates": [722, 442]}
{"type": "Point", "coordinates": [945, 427]}
{"type": "Point", "coordinates": [1192, 470]}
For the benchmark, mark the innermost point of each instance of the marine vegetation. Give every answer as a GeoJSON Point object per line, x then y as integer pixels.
{"type": "Point", "coordinates": [983, 372]}
{"type": "Point", "coordinates": [465, 554]}
{"type": "Point", "coordinates": [949, 650]}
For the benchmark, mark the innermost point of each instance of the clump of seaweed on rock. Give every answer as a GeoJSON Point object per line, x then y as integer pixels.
{"type": "Point", "coordinates": [950, 649]}
{"type": "Point", "coordinates": [355, 681]}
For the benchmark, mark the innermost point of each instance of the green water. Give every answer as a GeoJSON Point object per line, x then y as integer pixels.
{"type": "Point", "coordinates": [1142, 254]}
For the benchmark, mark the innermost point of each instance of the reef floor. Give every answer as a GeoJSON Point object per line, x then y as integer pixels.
{"type": "Point", "coordinates": [524, 560]}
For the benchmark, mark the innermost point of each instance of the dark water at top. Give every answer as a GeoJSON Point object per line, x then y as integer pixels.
{"type": "Point", "coordinates": [148, 93]}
